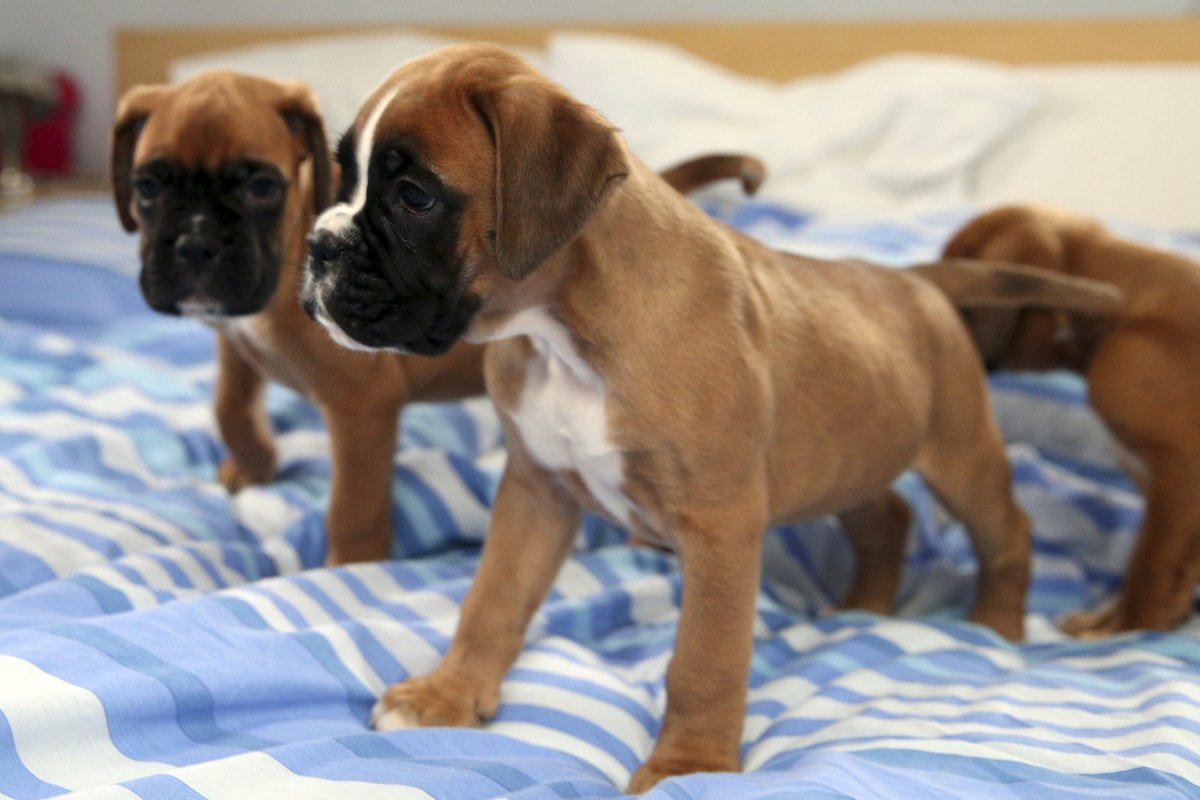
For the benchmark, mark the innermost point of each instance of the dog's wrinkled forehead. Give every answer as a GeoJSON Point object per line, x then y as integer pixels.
{"type": "Point", "coordinates": [216, 119]}
{"type": "Point", "coordinates": [354, 157]}
{"type": "Point", "coordinates": [427, 109]}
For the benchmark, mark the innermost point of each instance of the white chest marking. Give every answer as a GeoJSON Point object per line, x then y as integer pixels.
{"type": "Point", "coordinates": [562, 416]}
{"type": "Point", "coordinates": [244, 331]}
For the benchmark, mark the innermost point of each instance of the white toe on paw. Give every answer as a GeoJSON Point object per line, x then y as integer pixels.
{"type": "Point", "coordinates": [386, 717]}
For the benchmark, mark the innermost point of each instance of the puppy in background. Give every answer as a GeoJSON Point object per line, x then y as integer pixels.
{"type": "Point", "coordinates": [223, 175]}
{"type": "Point", "coordinates": [1142, 366]}
{"type": "Point", "coordinates": [649, 365]}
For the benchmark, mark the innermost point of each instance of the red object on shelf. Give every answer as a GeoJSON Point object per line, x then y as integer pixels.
{"type": "Point", "coordinates": [48, 146]}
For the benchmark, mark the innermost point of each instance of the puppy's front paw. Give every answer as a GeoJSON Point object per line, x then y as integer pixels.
{"type": "Point", "coordinates": [236, 474]}
{"type": "Point", "coordinates": [1119, 615]}
{"type": "Point", "coordinates": [1007, 622]}
{"type": "Point", "coordinates": [438, 699]}
{"type": "Point", "coordinates": [344, 547]}
{"type": "Point", "coordinates": [655, 769]}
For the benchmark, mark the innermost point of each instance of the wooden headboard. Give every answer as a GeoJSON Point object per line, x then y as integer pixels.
{"type": "Point", "coordinates": [775, 50]}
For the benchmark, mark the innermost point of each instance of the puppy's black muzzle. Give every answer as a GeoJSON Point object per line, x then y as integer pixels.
{"type": "Point", "coordinates": [197, 252]}
{"type": "Point", "coordinates": [324, 248]}
{"type": "Point", "coordinates": [377, 308]}
{"type": "Point", "coordinates": [211, 237]}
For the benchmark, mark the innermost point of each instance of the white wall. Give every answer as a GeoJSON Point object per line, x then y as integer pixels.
{"type": "Point", "coordinates": [76, 35]}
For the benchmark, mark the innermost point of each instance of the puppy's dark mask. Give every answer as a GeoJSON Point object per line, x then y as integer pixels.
{"type": "Point", "coordinates": [231, 214]}
{"type": "Point", "coordinates": [396, 274]}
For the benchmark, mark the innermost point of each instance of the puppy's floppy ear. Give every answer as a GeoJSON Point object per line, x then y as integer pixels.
{"type": "Point", "coordinates": [299, 109]}
{"type": "Point", "coordinates": [556, 160]}
{"type": "Point", "coordinates": [133, 109]}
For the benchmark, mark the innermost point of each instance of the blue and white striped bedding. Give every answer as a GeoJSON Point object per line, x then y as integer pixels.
{"type": "Point", "coordinates": [159, 639]}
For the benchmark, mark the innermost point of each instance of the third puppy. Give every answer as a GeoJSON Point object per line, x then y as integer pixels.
{"type": "Point", "coordinates": [1142, 364]}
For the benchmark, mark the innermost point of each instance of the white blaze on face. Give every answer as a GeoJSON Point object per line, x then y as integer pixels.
{"type": "Point", "coordinates": [337, 217]}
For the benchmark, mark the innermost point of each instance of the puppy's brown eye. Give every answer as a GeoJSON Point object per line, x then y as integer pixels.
{"type": "Point", "coordinates": [415, 199]}
{"type": "Point", "coordinates": [148, 189]}
{"type": "Point", "coordinates": [263, 189]}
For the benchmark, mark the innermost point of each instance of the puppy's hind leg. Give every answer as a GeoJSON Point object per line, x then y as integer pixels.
{"type": "Point", "coordinates": [964, 463]}
{"type": "Point", "coordinates": [1164, 567]}
{"type": "Point", "coordinates": [1144, 384]}
{"type": "Point", "coordinates": [878, 530]}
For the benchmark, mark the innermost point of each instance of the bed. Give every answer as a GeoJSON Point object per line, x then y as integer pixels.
{"type": "Point", "coordinates": [160, 639]}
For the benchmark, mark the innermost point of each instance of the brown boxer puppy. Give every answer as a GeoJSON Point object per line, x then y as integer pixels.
{"type": "Point", "coordinates": [650, 365]}
{"type": "Point", "coordinates": [223, 175]}
{"type": "Point", "coordinates": [1143, 376]}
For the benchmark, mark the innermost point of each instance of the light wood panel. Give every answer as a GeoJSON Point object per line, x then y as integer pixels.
{"type": "Point", "coordinates": [775, 50]}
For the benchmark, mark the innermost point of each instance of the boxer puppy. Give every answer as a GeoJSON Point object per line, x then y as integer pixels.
{"type": "Point", "coordinates": [223, 174]}
{"type": "Point", "coordinates": [650, 365]}
{"type": "Point", "coordinates": [1143, 376]}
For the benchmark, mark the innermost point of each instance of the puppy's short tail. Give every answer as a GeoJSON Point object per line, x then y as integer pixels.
{"type": "Point", "coordinates": [991, 284]}
{"type": "Point", "coordinates": [691, 175]}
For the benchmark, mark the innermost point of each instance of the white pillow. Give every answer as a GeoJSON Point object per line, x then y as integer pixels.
{"type": "Point", "coordinates": [1116, 141]}
{"type": "Point", "coordinates": [342, 70]}
{"type": "Point", "coordinates": [887, 136]}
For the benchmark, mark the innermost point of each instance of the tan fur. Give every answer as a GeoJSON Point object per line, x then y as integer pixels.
{"type": "Point", "coordinates": [978, 283]}
{"type": "Point", "coordinates": [1143, 374]}
{"type": "Point", "coordinates": [205, 122]}
{"type": "Point", "coordinates": [743, 387]}
{"type": "Point", "coordinates": [692, 174]}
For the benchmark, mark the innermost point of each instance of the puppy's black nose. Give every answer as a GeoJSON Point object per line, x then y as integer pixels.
{"type": "Point", "coordinates": [324, 247]}
{"type": "Point", "coordinates": [196, 250]}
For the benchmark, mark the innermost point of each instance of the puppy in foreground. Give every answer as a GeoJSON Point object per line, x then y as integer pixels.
{"type": "Point", "coordinates": [1143, 376]}
{"type": "Point", "coordinates": [223, 175]}
{"type": "Point", "coordinates": [649, 365]}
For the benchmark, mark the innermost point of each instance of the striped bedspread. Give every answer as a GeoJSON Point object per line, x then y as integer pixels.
{"type": "Point", "coordinates": [160, 639]}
